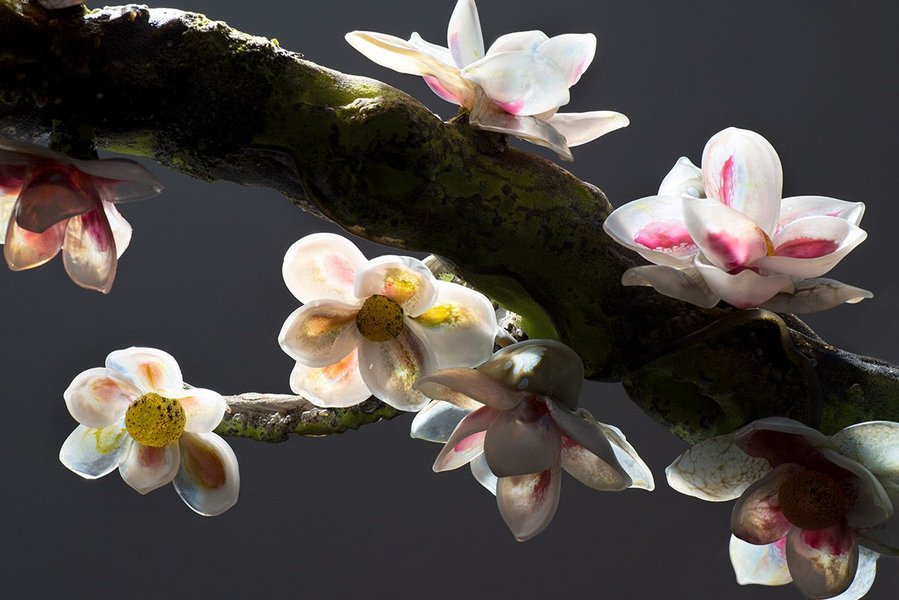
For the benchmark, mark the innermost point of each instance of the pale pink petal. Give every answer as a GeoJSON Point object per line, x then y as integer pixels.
{"type": "Point", "coordinates": [149, 369]}
{"type": "Point", "coordinates": [572, 52]}
{"type": "Point", "coordinates": [322, 266]}
{"type": "Point", "coordinates": [203, 409]}
{"type": "Point", "coordinates": [779, 440]}
{"type": "Point", "coordinates": [483, 474]}
{"type": "Point", "coordinates": [528, 503]}
{"type": "Point", "coordinates": [390, 369]}
{"type": "Point", "coordinates": [403, 279]}
{"type": "Point", "coordinates": [98, 397]}
{"type": "Point", "coordinates": [544, 367]}
{"type": "Point", "coordinates": [815, 295]}
{"type": "Point", "coordinates": [54, 192]}
{"type": "Point", "coordinates": [759, 564]}
{"type": "Point", "coordinates": [580, 128]}
{"type": "Point", "coordinates": [463, 36]}
{"type": "Point", "coordinates": [25, 249]}
{"type": "Point", "coordinates": [490, 117]}
{"type": "Point", "coordinates": [320, 333]}
{"type": "Point", "coordinates": [744, 289]}
{"type": "Point", "coordinates": [639, 472]}
{"type": "Point", "coordinates": [208, 480]}
{"type": "Point", "coordinates": [681, 284]}
{"type": "Point", "coordinates": [468, 388]}
{"type": "Point", "coordinates": [757, 517]}
{"type": "Point", "coordinates": [822, 563]}
{"type": "Point", "coordinates": [685, 178]}
{"type": "Point", "coordinates": [716, 470]}
{"type": "Point", "coordinates": [146, 469]}
{"type": "Point", "coordinates": [654, 227]}
{"type": "Point", "coordinates": [436, 421]}
{"type": "Point", "coordinates": [587, 448]}
{"type": "Point", "coordinates": [121, 229]}
{"type": "Point", "coordinates": [812, 246]}
{"type": "Point", "coordinates": [120, 179]}
{"type": "Point", "coordinates": [518, 41]}
{"type": "Point", "coordinates": [93, 453]}
{"type": "Point", "coordinates": [591, 470]}
{"type": "Point", "coordinates": [728, 238]}
{"type": "Point", "coordinates": [869, 504]}
{"type": "Point", "coordinates": [523, 440]}
{"type": "Point", "coordinates": [521, 83]}
{"type": "Point", "coordinates": [798, 207]}
{"type": "Point", "coordinates": [467, 440]}
{"type": "Point", "coordinates": [741, 170]}
{"type": "Point", "coordinates": [335, 386]}
{"type": "Point", "coordinates": [89, 252]}
{"type": "Point", "coordinates": [460, 327]}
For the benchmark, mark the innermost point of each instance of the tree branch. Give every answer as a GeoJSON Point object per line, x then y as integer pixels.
{"type": "Point", "coordinates": [202, 98]}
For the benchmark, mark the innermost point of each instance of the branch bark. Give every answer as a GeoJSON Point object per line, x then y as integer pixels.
{"type": "Point", "coordinates": [214, 103]}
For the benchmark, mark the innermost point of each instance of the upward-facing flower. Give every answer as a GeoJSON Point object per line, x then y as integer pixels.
{"type": "Point", "coordinates": [49, 202]}
{"type": "Point", "coordinates": [724, 233]}
{"type": "Point", "coordinates": [516, 87]}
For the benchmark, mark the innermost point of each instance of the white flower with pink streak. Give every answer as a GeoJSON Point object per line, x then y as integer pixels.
{"type": "Point", "coordinates": [723, 232]}
{"type": "Point", "coordinates": [515, 87]}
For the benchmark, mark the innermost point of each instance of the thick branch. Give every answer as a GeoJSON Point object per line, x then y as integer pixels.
{"type": "Point", "coordinates": [214, 103]}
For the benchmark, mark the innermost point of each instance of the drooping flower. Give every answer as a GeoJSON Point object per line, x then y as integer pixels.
{"type": "Point", "coordinates": [811, 509]}
{"type": "Point", "coordinates": [516, 87]}
{"type": "Point", "coordinates": [49, 202]}
{"type": "Point", "coordinates": [515, 419]}
{"type": "Point", "coordinates": [137, 415]}
{"type": "Point", "coordinates": [724, 233]}
{"type": "Point", "coordinates": [372, 327]}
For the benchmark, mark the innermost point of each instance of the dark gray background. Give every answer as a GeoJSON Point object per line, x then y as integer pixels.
{"type": "Point", "coordinates": [362, 514]}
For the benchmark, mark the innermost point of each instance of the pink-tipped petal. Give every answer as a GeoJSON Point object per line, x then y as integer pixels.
{"type": "Point", "coordinates": [523, 440]}
{"type": "Point", "coordinates": [488, 116]}
{"type": "Point", "coordinates": [437, 421]}
{"type": "Point", "coordinates": [208, 480]}
{"type": "Point", "coordinates": [759, 564]}
{"type": "Point", "coordinates": [815, 295]}
{"type": "Point", "coordinates": [463, 35]}
{"type": "Point", "coordinates": [591, 470]}
{"type": "Point", "coordinates": [684, 178]}
{"type": "Point", "coordinates": [481, 471]}
{"type": "Point", "coordinates": [335, 386]}
{"type": "Point", "coordinates": [54, 192]}
{"type": "Point", "coordinates": [204, 409]}
{"type": "Point", "coordinates": [149, 369]}
{"type": "Point", "coordinates": [320, 333]}
{"type": "Point", "coordinates": [527, 503]}
{"type": "Point", "coordinates": [741, 170]}
{"type": "Point", "coordinates": [716, 470]}
{"type": "Point", "coordinates": [467, 440]}
{"type": "Point", "coordinates": [25, 249]}
{"type": "Point", "coordinates": [521, 83]}
{"type": "Point", "coordinates": [580, 128]}
{"type": "Point", "coordinates": [390, 369]}
{"type": "Point", "coordinates": [527, 41]}
{"type": "Point", "coordinates": [655, 228]}
{"type": "Point", "coordinates": [98, 397]}
{"type": "Point", "coordinates": [120, 179]}
{"type": "Point", "coordinates": [779, 440]}
{"type": "Point", "coordinates": [89, 252]}
{"type": "Point", "coordinates": [757, 517]}
{"type": "Point", "coordinates": [586, 437]}
{"type": "Point", "coordinates": [744, 289]}
{"type": "Point", "coordinates": [822, 563]}
{"type": "Point", "coordinates": [403, 279]}
{"type": "Point", "coordinates": [572, 52]}
{"type": "Point", "coordinates": [322, 266]}
{"type": "Point", "coordinates": [799, 207]}
{"type": "Point", "coordinates": [121, 229]}
{"type": "Point", "coordinates": [727, 237]}
{"type": "Point", "coordinates": [93, 453]}
{"type": "Point", "coordinates": [812, 246]}
{"type": "Point", "coordinates": [468, 389]}
{"type": "Point", "coordinates": [146, 469]}
{"type": "Point", "coordinates": [681, 284]}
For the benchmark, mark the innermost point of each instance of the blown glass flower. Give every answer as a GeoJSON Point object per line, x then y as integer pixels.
{"type": "Point", "coordinates": [723, 232]}
{"type": "Point", "coordinates": [516, 87]}
{"type": "Point", "coordinates": [137, 414]}
{"type": "Point", "coordinates": [811, 509]}
{"type": "Point", "coordinates": [49, 202]}
{"type": "Point", "coordinates": [372, 327]}
{"type": "Point", "coordinates": [514, 419]}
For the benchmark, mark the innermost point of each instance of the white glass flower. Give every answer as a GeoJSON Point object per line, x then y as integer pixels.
{"type": "Point", "coordinates": [49, 202]}
{"type": "Point", "coordinates": [516, 87]}
{"type": "Point", "coordinates": [811, 509]}
{"type": "Point", "coordinates": [372, 327]}
{"type": "Point", "coordinates": [514, 418]}
{"type": "Point", "coordinates": [137, 414]}
{"type": "Point", "coordinates": [724, 233]}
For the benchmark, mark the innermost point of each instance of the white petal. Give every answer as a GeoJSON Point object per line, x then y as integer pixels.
{"type": "Point", "coordinates": [864, 575]}
{"type": "Point", "coordinates": [815, 295]}
{"type": "Point", "coordinates": [93, 453]}
{"type": "Point", "coordinates": [98, 397]}
{"type": "Point", "coordinates": [874, 444]}
{"type": "Point", "coordinates": [439, 52]}
{"type": "Point", "coordinates": [654, 227]}
{"type": "Point", "coordinates": [745, 289]}
{"type": "Point", "coordinates": [798, 207]}
{"type": "Point", "coordinates": [822, 563]}
{"type": "Point", "coordinates": [208, 480]}
{"type": "Point", "coordinates": [580, 128]}
{"type": "Point", "coordinates": [759, 564]}
{"type": "Point", "coordinates": [521, 83]}
{"type": "Point", "coordinates": [149, 369]}
{"type": "Point", "coordinates": [146, 469]}
{"type": "Point", "coordinates": [685, 178]}
{"type": "Point", "coordinates": [885, 537]}
{"type": "Point", "coordinates": [518, 41]}
{"type": "Point", "coordinates": [741, 170]}
{"type": "Point", "coordinates": [682, 284]}
{"type": "Point", "coordinates": [522, 440]}
{"type": "Point", "coordinates": [436, 421]}
{"type": "Point", "coordinates": [572, 52]}
{"type": "Point", "coordinates": [204, 409]}
{"type": "Point", "coordinates": [870, 504]}
{"type": "Point", "coordinates": [483, 474]}
{"type": "Point", "coordinates": [120, 179]}
{"type": "Point", "coordinates": [463, 36]}
{"type": "Point", "coordinates": [335, 386]}
{"type": "Point", "coordinates": [460, 327]}
{"type": "Point", "coordinates": [467, 440]}
{"type": "Point", "coordinates": [716, 470]}
{"type": "Point", "coordinates": [639, 472]}
{"type": "Point", "coordinates": [121, 229]}
{"type": "Point", "coordinates": [757, 517]}
{"type": "Point", "coordinates": [490, 117]}
{"type": "Point", "coordinates": [7, 204]}
{"type": "Point", "coordinates": [403, 279]}
{"type": "Point", "coordinates": [528, 503]}
{"type": "Point", "coordinates": [812, 246]}
{"type": "Point", "coordinates": [390, 369]}
{"type": "Point", "coordinates": [89, 252]}
{"type": "Point", "coordinates": [320, 333]}
{"type": "Point", "coordinates": [727, 237]}
{"type": "Point", "coordinates": [322, 266]}
{"type": "Point", "coordinates": [468, 389]}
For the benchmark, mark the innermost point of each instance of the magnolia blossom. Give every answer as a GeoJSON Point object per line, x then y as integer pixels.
{"type": "Point", "coordinates": [723, 232]}
{"type": "Point", "coordinates": [374, 326]}
{"type": "Point", "coordinates": [515, 419]}
{"type": "Point", "coordinates": [137, 414]}
{"type": "Point", "coordinates": [516, 87]}
{"type": "Point", "coordinates": [49, 202]}
{"type": "Point", "coordinates": [811, 509]}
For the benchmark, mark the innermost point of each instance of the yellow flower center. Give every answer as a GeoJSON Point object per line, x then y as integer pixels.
{"type": "Point", "coordinates": [380, 319]}
{"type": "Point", "coordinates": [155, 421]}
{"type": "Point", "coordinates": [812, 500]}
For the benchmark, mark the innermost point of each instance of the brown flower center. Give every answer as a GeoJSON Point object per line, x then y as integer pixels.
{"type": "Point", "coordinates": [380, 319]}
{"type": "Point", "coordinates": [812, 500]}
{"type": "Point", "coordinates": [155, 421]}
